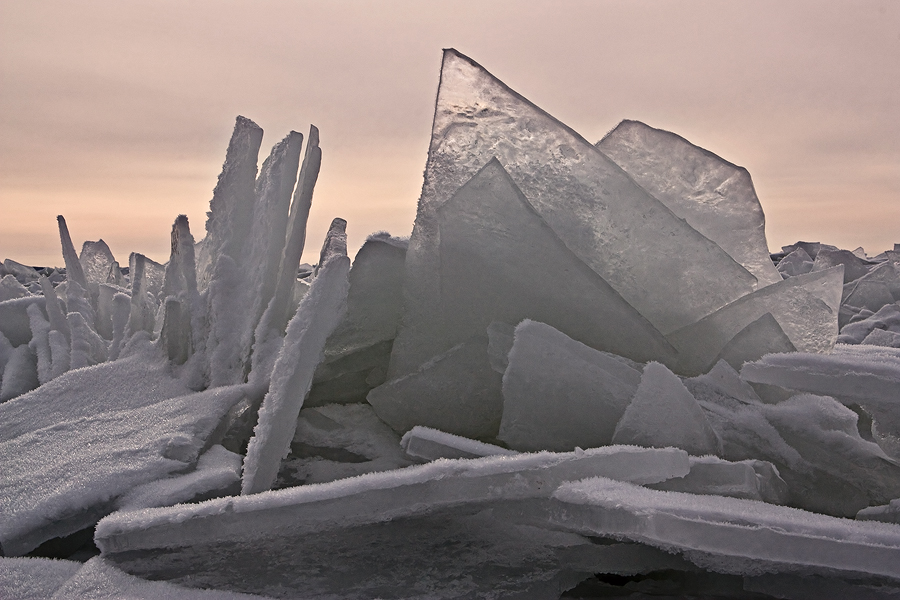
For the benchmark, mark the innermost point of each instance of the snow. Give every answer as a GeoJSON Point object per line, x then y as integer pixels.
{"type": "Point", "coordinates": [34, 578]}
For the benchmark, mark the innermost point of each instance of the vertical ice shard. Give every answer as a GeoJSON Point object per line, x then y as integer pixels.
{"type": "Point", "coordinates": [40, 342]}
{"type": "Point", "coordinates": [87, 347]}
{"type": "Point", "coordinates": [664, 413]}
{"type": "Point", "coordinates": [142, 314]}
{"type": "Point", "coordinates": [74, 270]}
{"type": "Point", "coordinates": [274, 186]}
{"type": "Point", "coordinates": [319, 313]}
{"type": "Point", "coordinates": [54, 310]}
{"type": "Point", "coordinates": [713, 195]}
{"type": "Point", "coordinates": [19, 374]}
{"type": "Point", "coordinates": [231, 208]}
{"type": "Point", "coordinates": [559, 394]}
{"type": "Point", "coordinates": [627, 237]}
{"type": "Point", "coordinates": [280, 305]}
{"type": "Point", "coordinates": [805, 307]}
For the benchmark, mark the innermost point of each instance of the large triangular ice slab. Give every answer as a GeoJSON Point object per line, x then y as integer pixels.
{"type": "Point", "coordinates": [714, 196]}
{"type": "Point", "coordinates": [614, 226]}
{"type": "Point", "coordinates": [500, 261]}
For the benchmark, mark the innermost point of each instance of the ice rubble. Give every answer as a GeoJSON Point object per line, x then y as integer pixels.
{"type": "Point", "coordinates": [247, 424]}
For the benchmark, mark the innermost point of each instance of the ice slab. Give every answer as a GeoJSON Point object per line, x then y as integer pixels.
{"type": "Point", "coordinates": [663, 413]}
{"type": "Point", "coordinates": [130, 383]}
{"type": "Point", "coordinates": [34, 578]}
{"type": "Point", "coordinates": [359, 349]}
{"type": "Point", "coordinates": [713, 195]}
{"type": "Point", "coordinates": [616, 228]}
{"type": "Point", "coordinates": [218, 473]}
{"type": "Point", "coordinates": [854, 266]}
{"type": "Point", "coordinates": [10, 288]}
{"type": "Point", "coordinates": [378, 497]}
{"type": "Point", "coordinates": [427, 444]}
{"type": "Point", "coordinates": [231, 207]}
{"type": "Point", "coordinates": [96, 261]}
{"type": "Point", "coordinates": [99, 579]}
{"type": "Point", "coordinates": [14, 323]}
{"type": "Point", "coordinates": [886, 513]}
{"type": "Point", "coordinates": [63, 478]}
{"type": "Point", "coordinates": [456, 391]}
{"type": "Point", "coordinates": [729, 535]}
{"type": "Point", "coordinates": [863, 374]}
{"type": "Point", "coordinates": [748, 479]}
{"type": "Point", "coordinates": [762, 336]}
{"type": "Point", "coordinates": [20, 374]}
{"type": "Point", "coordinates": [23, 273]}
{"type": "Point", "coordinates": [318, 314]}
{"type": "Point", "coordinates": [805, 307]}
{"type": "Point", "coordinates": [338, 441]}
{"type": "Point", "coordinates": [796, 263]}
{"type": "Point", "coordinates": [492, 245]}
{"type": "Point", "coordinates": [559, 394]}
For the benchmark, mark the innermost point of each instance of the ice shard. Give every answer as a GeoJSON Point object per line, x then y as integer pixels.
{"type": "Point", "coordinates": [231, 207]}
{"type": "Point", "coordinates": [762, 336]}
{"type": "Point", "coordinates": [559, 394]}
{"type": "Point", "coordinates": [714, 196]}
{"type": "Point", "coordinates": [14, 324]}
{"type": "Point", "coordinates": [796, 263]}
{"type": "Point", "coordinates": [74, 270]}
{"type": "Point", "coordinates": [493, 242]}
{"type": "Point", "coordinates": [729, 535]}
{"type": "Point", "coordinates": [10, 288]}
{"type": "Point", "coordinates": [427, 444]}
{"type": "Point", "coordinates": [318, 314]}
{"type": "Point", "coordinates": [96, 261]}
{"type": "Point", "coordinates": [274, 187]}
{"type": "Point", "coordinates": [357, 353]}
{"type": "Point", "coordinates": [456, 391]}
{"type": "Point", "coordinates": [280, 306]}
{"type": "Point", "coordinates": [854, 267]}
{"type": "Point", "coordinates": [627, 237]}
{"type": "Point", "coordinates": [805, 307]}
{"type": "Point", "coordinates": [40, 343]}
{"type": "Point", "coordinates": [664, 413]}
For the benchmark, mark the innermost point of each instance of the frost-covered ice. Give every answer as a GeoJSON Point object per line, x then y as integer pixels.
{"type": "Point", "coordinates": [424, 443]}
{"type": "Point", "coordinates": [555, 298]}
{"type": "Point", "coordinates": [729, 534]}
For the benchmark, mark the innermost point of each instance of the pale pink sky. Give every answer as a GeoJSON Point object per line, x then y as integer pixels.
{"type": "Point", "coordinates": [117, 114]}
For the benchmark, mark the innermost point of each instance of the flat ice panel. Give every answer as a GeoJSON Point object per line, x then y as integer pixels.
{"type": "Point", "coordinates": [663, 413]}
{"type": "Point", "coordinates": [60, 479]}
{"type": "Point", "coordinates": [378, 497]}
{"type": "Point", "coordinates": [729, 535]}
{"type": "Point", "coordinates": [805, 307]}
{"type": "Point", "coordinates": [748, 479]}
{"type": "Point", "coordinates": [427, 444]}
{"type": "Point", "coordinates": [714, 196]}
{"type": "Point", "coordinates": [559, 394]}
{"type": "Point", "coordinates": [456, 391]}
{"type": "Point", "coordinates": [501, 261]}
{"type": "Point", "coordinates": [854, 266]}
{"type": "Point", "coordinates": [616, 228]}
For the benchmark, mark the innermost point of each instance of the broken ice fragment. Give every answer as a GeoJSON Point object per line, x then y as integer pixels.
{"type": "Point", "coordinates": [664, 413]}
{"type": "Point", "coordinates": [886, 513]}
{"type": "Point", "coordinates": [749, 479]}
{"type": "Point", "coordinates": [728, 535]}
{"type": "Point", "coordinates": [796, 263]}
{"type": "Point", "coordinates": [318, 314]}
{"type": "Point", "coordinates": [425, 443]}
{"type": "Point", "coordinates": [762, 336]}
{"type": "Point", "coordinates": [20, 374]}
{"type": "Point", "coordinates": [456, 391]}
{"type": "Point", "coordinates": [559, 394]}
{"type": "Point", "coordinates": [10, 288]}
{"type": "Point", "coordinates": [805, 307]}
{"type": "Point", "coordinates": [96, 261]}
{"type": "Point", "coordinates": [854, 267]}
{"type": "Point", "coordinates": [714, 196]}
